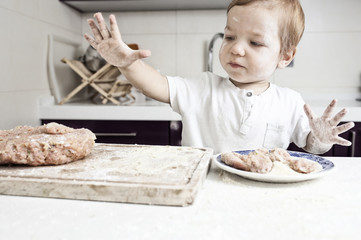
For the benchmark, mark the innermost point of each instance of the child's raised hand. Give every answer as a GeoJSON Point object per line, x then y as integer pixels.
{"type": "Point", "coordinates": [110, 45]}
{"type": "Point", "coordinates": [325, 128]}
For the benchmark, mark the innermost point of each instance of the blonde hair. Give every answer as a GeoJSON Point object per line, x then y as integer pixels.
{"type": "Point", "coordinates": [291, 22]}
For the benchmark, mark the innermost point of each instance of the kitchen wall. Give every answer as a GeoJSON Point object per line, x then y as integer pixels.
{"type": "Point", "coordinates": [328, 60]}
{"type": "Point", "coordinates": [329, 55]}
{"type": "Point", "coordinates": [25, 25]}
{"type": "Point", "coordinates": [178, 39]}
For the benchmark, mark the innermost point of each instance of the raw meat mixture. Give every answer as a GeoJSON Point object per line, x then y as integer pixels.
{"type": "Point", "coordinates": [261, 161]}
{"type": "Point", "coordinates": [50, 144]}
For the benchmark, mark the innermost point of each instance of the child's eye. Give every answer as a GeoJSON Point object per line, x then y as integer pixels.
{"type": "Point", "coordinates": [229, 38]}
{"type": "Point", "coordinates": [257, 44]}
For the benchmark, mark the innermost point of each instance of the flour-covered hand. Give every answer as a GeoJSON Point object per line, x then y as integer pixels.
{"type": "Point", "coordinates": [325, 130]}
{"type": "Point", "coordinates": [110, 45]}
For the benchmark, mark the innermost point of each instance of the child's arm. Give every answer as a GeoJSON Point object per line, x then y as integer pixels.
{"type": "Point", "coordinates": [112, 48]}
{"type": "Point", "coordinates": [324, 130]}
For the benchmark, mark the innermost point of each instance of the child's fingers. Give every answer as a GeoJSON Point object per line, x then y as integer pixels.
{"type": "Point", "coordinates": [139, 54]}
{"type": "Point", "coordinates": [327, 113]}
{"type": "Point", "coordinates": [343, 128]}
{"type": "Point", "coordinates": [91, 41]}
{"type": "Point", "coordinates": [342, 142]}
{"type": "Point", "coordinates": [97, 35]}
{"type": "Point", "coordinates": [114, 29]}
{"type": "Point", "coordinates": [102, 26]}
{"type": "Point", "coordinates": [143, 53]}
{"type": "Point", "coordinates": [338, 117]}
{"type": "Point", "coordinates": [310, 115]}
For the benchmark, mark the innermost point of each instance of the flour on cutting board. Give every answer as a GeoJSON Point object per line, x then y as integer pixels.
{"type": "Point", "coordinates": [122, 163]}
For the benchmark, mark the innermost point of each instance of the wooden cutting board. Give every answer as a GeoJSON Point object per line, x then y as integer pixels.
{"type": "Point", "coordinates": [162, 175]}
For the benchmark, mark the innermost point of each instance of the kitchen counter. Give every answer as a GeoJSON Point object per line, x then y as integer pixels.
{"type": "Point", "coordinates": [227, 207]}
{"type": "Point", "coordinates": [153, 110]}
{"type": "Point", "coordinates": [86, 110]}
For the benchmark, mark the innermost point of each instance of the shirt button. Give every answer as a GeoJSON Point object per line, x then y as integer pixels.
{"type": "Point", "coordinates": [249, 94]}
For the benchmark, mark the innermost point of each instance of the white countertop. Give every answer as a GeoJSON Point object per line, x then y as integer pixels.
{"type": "Point", "coordinates": [153, 110]}
{"type": "Point", "coordinates": [140, 110]}
{"type": "Point", "coordinates": [227, 207]}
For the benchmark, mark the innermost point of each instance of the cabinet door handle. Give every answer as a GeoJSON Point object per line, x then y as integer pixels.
{"type": "Point", "coordinates": [131, 134]}
{"type": "Point", "coordinates": [353, 141]}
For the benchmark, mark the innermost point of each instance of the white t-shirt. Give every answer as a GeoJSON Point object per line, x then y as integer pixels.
{"type": "Point", "coordinates": [217, 114]}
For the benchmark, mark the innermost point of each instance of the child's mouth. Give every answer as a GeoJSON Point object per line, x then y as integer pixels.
{"type": "Point", "coordinates": [235, 65]}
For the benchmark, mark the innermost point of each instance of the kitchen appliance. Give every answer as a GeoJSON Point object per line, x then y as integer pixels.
{"type": "Point", "coordinates": [210, 50]}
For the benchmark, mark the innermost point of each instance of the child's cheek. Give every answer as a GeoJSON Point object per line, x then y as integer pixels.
{"type": "Point", "coordinates": [263, 61]}
{"type": "Point", "coordinates": [222, 46]}
{"type": "Point", "coordinates": [221, 51]}
{"type": "Point", "coordinates": [266, 63]}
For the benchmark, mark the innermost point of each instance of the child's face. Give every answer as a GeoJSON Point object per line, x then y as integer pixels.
{"type": "Point", "coordinates": [250, 51]}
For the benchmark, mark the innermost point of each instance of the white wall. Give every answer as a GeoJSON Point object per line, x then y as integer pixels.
{"type": "Point", "coordinates": [178, 39]}
{"type": "Point", "coordinates": [328, 57]}
{"type": "Point", "coordinates": [329, 54]}
{"type": "Point", "coordinates": [25, 25]}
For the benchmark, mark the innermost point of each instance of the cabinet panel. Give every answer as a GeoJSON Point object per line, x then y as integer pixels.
{"type": "Point", "coordinates": [293, 147]}
{"type": "Point", "coordinates": [128, 132]}
{"type": "Point", "coordinates": [176, 133]}
{"type": "Point", "coordinates": [357, 136]}
{"type": "Point", "coordinates": [169, 133]}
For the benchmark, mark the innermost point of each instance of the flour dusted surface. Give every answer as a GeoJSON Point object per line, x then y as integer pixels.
{"type": "Point", "coordinates": [124, 163]}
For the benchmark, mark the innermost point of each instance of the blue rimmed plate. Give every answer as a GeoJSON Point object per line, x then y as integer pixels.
{"type": "Point", "coordinates": [327, 167]}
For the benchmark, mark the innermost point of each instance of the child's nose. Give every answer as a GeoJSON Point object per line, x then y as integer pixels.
{"type": "Point", "coordinates": [238, 49]}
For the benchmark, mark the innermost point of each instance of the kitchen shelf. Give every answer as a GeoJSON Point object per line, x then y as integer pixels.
{"type": "Point", "coordinates": [85, 6]}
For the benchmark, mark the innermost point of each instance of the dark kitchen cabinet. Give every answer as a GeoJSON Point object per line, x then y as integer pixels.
{"type": "Point", "coordinates": [169, 133]}
{"type": "Point", "coordinates": [129, 132]}
{"type": "Point", "coordinates": [353, 135]}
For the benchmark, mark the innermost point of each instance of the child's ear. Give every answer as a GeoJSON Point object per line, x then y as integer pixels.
{"type": "Point", "coordinates": [287, 58]}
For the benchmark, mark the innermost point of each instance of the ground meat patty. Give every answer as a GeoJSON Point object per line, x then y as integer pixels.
{"type": "Point", "coordinates": [50, 144]}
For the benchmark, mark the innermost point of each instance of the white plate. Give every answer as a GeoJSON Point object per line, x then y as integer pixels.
{"type": "Point", "coordinates": [327, 167]}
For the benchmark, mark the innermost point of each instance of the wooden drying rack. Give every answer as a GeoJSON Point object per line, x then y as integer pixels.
{"type": "Point", "coordinates": [104, 81]}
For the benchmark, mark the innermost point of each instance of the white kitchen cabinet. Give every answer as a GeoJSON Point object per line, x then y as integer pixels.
{"type": "Point", "coordinates": [144, 5]}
